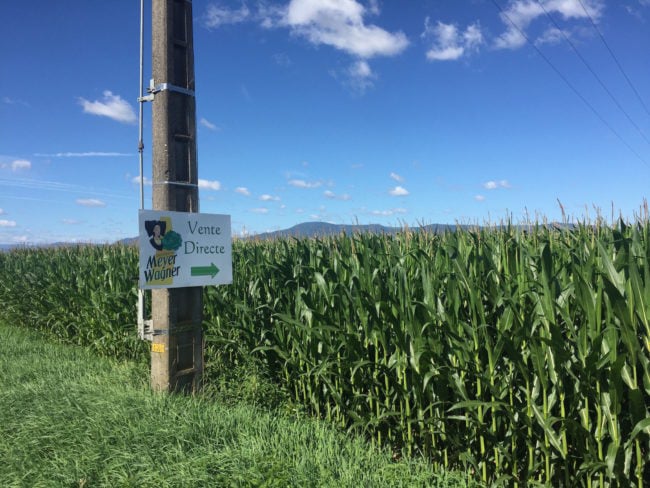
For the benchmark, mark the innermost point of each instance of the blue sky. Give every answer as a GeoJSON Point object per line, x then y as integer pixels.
{"type": "Point", "coordinates": [376, 111]}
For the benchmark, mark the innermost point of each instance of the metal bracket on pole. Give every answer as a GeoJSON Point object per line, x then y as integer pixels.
{"type": "Point", "coordinates": [153, 89]}
{"type": "Point", "coordinates": [177, 183]}
{"type": "Point", "coordinates": [145, 329]}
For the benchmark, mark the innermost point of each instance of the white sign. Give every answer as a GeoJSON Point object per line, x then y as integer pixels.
{"type": "Point", "coordinates": [180, 249]}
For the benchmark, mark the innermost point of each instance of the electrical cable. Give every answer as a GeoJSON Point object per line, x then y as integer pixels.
{"type": "Point", "coordinates": [627, 78]}
{"type": "Point", "coordinates": [570, 85]}
{"type": "Point", "coordinates": [588, 66]}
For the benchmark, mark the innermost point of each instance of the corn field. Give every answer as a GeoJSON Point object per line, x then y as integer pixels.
{"type": "Point", "coordinates": [521, 355]}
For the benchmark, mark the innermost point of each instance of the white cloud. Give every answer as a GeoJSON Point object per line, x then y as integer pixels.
{"type": "Point", "coordinates": [90, 202]}
{"type": "Point", "coordinates": [361, 69]}
{"type": "Point", "coordinates": [511, 39]}
{"type": "Point", "coordinates": [388, 213]}
{"type": "Point", "coordinates": [636, 12]}
{"type": "Point", "coordinates": [209, 185]}
{"type": "Point", "coordinates": [7, 223]}
{"type": "Point", "coordinates": [333, 196]}
{"type": "Point", "coordinates": [373, 7]}
{"type": "Point", "coordinates": [493, 185]}
{"type": "Point", "coordinates": [90, 154]}
{"type": "Point", "coordinates": [21, 164]}
{"type": "Point", "coordinates": [269, 198]}
{"type": "Point", "coordinates": [282, 59]}
{"type": "Point", "coordinates": [270, 15]}
{"type": "Point", "coordinates": [136, 179]}
{"type": "Point", "coordinates": [246, 94]}
{"type": "Point", "coordinates": [216, 15]}
{"type": "Point", "coordinates": [2, 212]}
{"type": "Point", "coordinates": [479, 198]}
{"type": "Point", "coordinates": [449, 43]}
{"type": "Point", "coordinates": [14, 101]}
{"type": "Point", "coordinates": [340, 24]}
{"type": "Point", "coordinates": [305, 184]}
{"type": "Point", "coordinates": [552, 35]}
{"type": "Point", "coordinates": [397, 177]}
{"type": "Point", "coordinates": [360, 76]}
{"type": "Point", "coordinates": [472, 37]}
{"type": "Point", "coordinates": [398, 191]}
{"type": "Point", "coordinates": [260, 210]}
{"type": "Point", "coordinates": [573, 9]}
{"type": "Point", "coordinates": [208, 125]}
{"type": "Point", "coordinates": [242, 191]}
{"type": "Point", "coordinates": [112, 106]}
{"type": "Point", "coordinates": [490, 185]}
{"type": "Point", "coordinates": [522, 13]}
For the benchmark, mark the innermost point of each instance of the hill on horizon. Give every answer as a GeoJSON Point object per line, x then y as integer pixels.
{"type": "Point", "coordinates": [323, 229]}
{"type": "Point", "coordinates": [303, 230]}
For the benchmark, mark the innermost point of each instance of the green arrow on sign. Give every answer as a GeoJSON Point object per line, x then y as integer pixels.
{"type": "Point", "coordinates": [210, 271]}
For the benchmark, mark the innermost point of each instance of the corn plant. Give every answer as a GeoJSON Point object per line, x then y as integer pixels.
{"type": "Point", "coordinates": [520, 354]}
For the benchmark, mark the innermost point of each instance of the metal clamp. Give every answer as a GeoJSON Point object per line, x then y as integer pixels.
{"type": "Point", "coordinates": [177, 183]}
{"type": "Point", "coordinates": [152, 90]}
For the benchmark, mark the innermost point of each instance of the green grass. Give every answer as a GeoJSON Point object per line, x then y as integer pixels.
{"type": "Point", "coordinates": [70, 418]}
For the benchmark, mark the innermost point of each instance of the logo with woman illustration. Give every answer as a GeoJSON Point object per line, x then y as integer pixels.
{"type": "Point", "coordinates": [155, 230]}
{"type": "Point", "coordinates": [161, 268]}
{"type": "Point", "coordinates": [160, 238]}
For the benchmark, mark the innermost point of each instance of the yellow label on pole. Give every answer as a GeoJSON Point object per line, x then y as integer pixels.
{"type": "Point", "coordinates": [157, 347]}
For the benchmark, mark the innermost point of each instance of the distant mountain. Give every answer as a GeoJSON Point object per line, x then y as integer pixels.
{"type": "Point", "coordinates": [316, 229]}
{"type": "Point", "coordinates": [323, 229]}
{"type": "Point", "coordinates": [129, 241]}
{"type": "Point", "coordinates": [9, 247]}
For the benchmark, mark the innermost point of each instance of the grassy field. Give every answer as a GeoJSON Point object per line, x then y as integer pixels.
{"type": "Point", "coordinates": [69, 418]}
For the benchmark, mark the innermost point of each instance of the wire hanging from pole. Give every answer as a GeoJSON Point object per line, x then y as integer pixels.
{"type": "Point", "coordinates": [602, 38]}
{"type": "Point", "coordinates": [141, 102]}
{"type": "Point", "coordinates": [141, 296]}
{"type": "Point", "coordinates": [591, 70]}
{"type": "Point", "coordinates": [570, 85]}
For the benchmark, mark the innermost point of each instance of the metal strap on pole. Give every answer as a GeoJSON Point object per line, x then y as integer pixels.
{"type": "Point", "coordinates": [177, 183]}
{"type": "Point", "coordinates": [160, 87]}
{"type": "Point", "coordinates": [168, 86]}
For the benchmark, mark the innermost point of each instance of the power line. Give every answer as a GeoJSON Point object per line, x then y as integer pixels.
{"type": "Point", "coordinates": [602, 38]}
{"type": "Point", "coordinates": [570, 85]}
{"type": "Point", "coordinates": [584, 61]}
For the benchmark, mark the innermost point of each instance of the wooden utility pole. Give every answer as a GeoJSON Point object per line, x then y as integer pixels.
{"type": "Point", "coordinates": [177, 313]}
